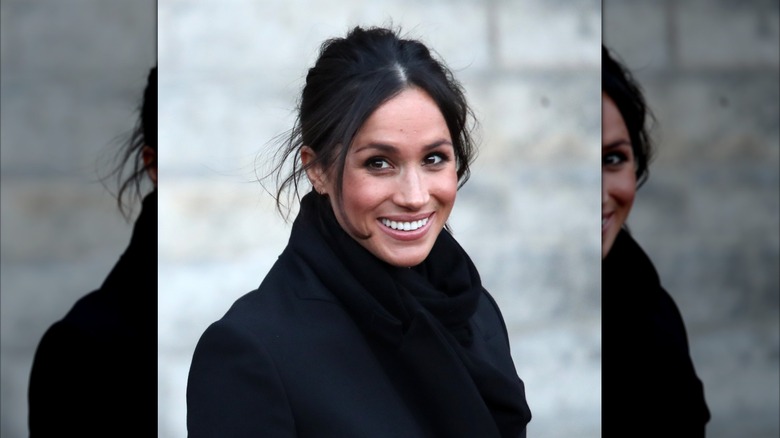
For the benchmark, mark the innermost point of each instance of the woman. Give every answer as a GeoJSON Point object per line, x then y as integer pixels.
{"type": "Point", "coordinates": [95, 371]}
{"type": "Point", "coordinates": [649, 382]}
{"type": "Point", "coordinates": [373, 321]}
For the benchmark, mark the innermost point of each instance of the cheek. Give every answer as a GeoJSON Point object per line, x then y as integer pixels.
{"type": "Point", "coordinates": [358, 200]}
{"type": "Point", "coordinates": [445, 188]}
{"type": "Point", "coordinates": [362, 196]}
{"type": "Point", "coordinates": [622, 187]}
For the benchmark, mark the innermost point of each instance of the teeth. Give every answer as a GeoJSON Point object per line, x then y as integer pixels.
{"type": "Point", "coordinates": [405, 226]}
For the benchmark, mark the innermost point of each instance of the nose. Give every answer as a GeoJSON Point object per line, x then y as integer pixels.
{"type": "Point", "coordinates": [412, 191]}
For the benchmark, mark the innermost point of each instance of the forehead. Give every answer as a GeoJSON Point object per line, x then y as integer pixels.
{"type": "Point", "coordinates": [613, 127]}
{"type": "Point", "coordinates": [410, 114]}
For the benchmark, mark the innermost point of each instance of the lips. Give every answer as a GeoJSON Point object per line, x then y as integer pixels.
{"type": "Point", "coordinates": [404, 226]}
{"type": "Point", "coordinates": [406, 229]}
{"type": "Point", "coordinates": [606, 219]}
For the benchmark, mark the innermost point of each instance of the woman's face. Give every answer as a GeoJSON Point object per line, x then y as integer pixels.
{"type": "Point", "coordinates": [618, 177]}
{"type": "Point", "coordinates": [400, 180]}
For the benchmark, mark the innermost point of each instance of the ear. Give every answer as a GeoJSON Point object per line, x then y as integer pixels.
{"type": "Point", "coordinates": [314, 172]}
{"type": "Point", "coordinates": [149, 157]}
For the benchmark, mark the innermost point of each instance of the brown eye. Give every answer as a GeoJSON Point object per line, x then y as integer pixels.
{"type": "Point", "coordinates": [434, 159]}
{"type": "Point", "coordinates": [377, 163]}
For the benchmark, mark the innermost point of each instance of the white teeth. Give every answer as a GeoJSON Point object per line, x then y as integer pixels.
{"type": "Point", "coordinates": [405, 226]}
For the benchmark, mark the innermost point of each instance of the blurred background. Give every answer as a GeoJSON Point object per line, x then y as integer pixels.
{"type": "Point", "coordinates": [72, 75]}
{"type": "Point", "coordinates": [230, 75]}
{"type": "Point", "coordinates": [71, 78]}
{"type": "Point", "coordinates": [709, 216]}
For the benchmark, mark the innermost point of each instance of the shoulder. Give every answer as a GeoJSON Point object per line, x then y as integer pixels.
{"type": "Point", "coordinates": [289, 293]}
{"type": "Point", "coordinates": [60, 343]}
{"type": "Point", "coordinates": [234, 387]}
{"type": "Point", "coordinates": [489, 317]}
{"type": "Point", "coordinates": [491, 331]}
{"type": "Point", "coordinates": [91, 317]}
{"type": "Point", "coordinates": [251, 366]}
{"type": "Point", "coordinates": [491, 339]}
{"type": "Point", "coordinates": [291, 307]}
{"type": "Point", "coordinates": [94, 308]}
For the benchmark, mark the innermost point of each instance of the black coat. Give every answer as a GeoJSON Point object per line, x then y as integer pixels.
{"type": "Point", "coordinates": [650, 386]}
{"type": "Point", "coordinates": [289, 360]}
{"type": "Point", "coordinates": [95, 371]}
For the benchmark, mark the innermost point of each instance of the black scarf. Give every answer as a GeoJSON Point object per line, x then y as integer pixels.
{"type": "Point", "coordinates": [648, 378]}
{"type": "Point", "coordinates": [417, 321]}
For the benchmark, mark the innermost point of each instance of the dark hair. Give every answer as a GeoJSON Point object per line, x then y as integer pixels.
{"type": "Point", "coordinates": [352, 77]}
{"type": "Point", "coordinates": [621, 86]}
{"type": "Point", "coordinates": [130, 169]}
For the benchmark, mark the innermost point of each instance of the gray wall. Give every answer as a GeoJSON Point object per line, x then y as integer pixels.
{"type": "Point", "coordinates": [230, 73]}
{"type": "Point", "coordinates": [71, 76]}
{"type": "Point", "coordinates": [709, 215]}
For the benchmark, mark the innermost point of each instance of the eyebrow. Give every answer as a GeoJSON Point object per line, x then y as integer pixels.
{"type": "Point", "coordinates": [616, 144]}
{"type": "Point", "coordinates": [386, 148]}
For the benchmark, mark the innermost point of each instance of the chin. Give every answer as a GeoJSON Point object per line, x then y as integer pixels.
{"type": "Point", "coordinates": [402, 255]}
{"type": "Point", "coordinates": [406, 260]}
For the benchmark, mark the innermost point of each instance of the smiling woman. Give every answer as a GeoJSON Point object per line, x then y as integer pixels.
{"type": "Point", "coordinates": [373, 321]}
{"type": "Point", "coordinates": [648, 377]}
{"type": "Point", "coordinates": [618, 175]}
{"type": "Point", "coordinates": [400, 179]}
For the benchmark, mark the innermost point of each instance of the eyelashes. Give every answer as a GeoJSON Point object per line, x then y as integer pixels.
{"type": "Point", "coordinates": [376, 163]}
{"type": "Point", "coordinates": [434, 159]}
{"type": "Point", "coordinates": [614, 159]}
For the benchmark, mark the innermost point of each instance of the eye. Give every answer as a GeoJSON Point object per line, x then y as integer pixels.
{"type": "Point", "coordinates": [377, 163]}
{"type": "Point", "coordinates": [434, 159]}
{"type": "Point", "coordinates": [614, 159]}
